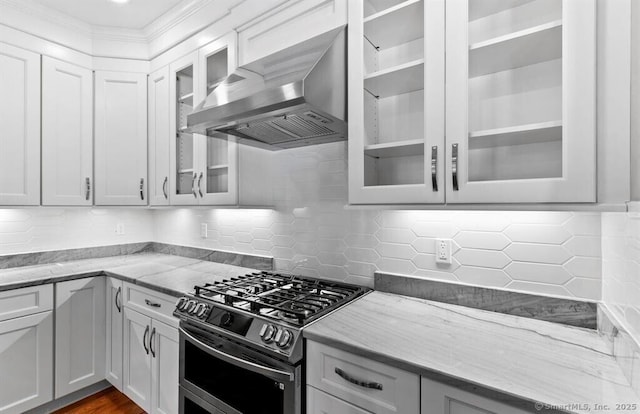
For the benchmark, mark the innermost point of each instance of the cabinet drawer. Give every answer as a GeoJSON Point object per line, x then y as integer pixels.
{"type": "Point", "coordinates": [154, 304]}
{"type": "Point", "coordinates": [365, 383]}
{"type": "Point", "coordinates": [26, 301]}
{"type": "Point", "coordinates": [319, 402]}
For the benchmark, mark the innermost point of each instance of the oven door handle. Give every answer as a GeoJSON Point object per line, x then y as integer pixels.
{"type": "Point", "coordinates": [276, 374]}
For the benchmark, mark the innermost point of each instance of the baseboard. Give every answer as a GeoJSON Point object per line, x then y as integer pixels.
{"type": "Point", "coordinates": [69, 399]}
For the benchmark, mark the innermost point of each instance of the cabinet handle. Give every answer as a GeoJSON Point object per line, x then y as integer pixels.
{"type": "Point", "coordinates": [87, 193]}
{"type": "Point", "coordinates": [434, 168]}
{"type": "Point", "coordinates": [153, 333]}
{"type": "Point", "coordinates": [193, 185]}
{"type": "Point", "coordinates": [142, 189]}
{"type": "Point", "coordinates": [118, 292]}
{"type": "Point", "coordinates": [164, 188]}
{"type": "Point", "coordinates": [152, 304]}
{"type": "Point", "coordinates": [144, 340]}
{"type": "Point", "coordinates": [454, 166]}
{"type": "Point", "coordinates": [199, 187]}
{"type": "Point", "coordinates": [360, 383]}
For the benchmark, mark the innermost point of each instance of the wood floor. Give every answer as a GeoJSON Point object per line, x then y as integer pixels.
{"type": "Point", "coordinates": [109, 401]}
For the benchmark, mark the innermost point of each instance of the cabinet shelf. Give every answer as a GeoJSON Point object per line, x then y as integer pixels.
{"type": "Point", "coordinates": [185, 171]}
{"type": "Point", "coordinates": [480, 9]}
{"type": "Point", "coordinates": [217, 167]}
{"type": "Point", "coordinates": [395, 149]}
{"type": "Point", "coordinates": [518, 135]}
{"type": "Point", "coordinates": [382, 29]}
{"type": "Point", "coordinates": [397, 80]}
{"type": "Point", "coordinates": [187, 99]}
{"type": "Point", "coordinates": [526, 47]}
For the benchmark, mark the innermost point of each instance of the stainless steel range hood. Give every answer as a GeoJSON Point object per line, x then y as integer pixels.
{"type": "Point", "coordinates": [292, 98]}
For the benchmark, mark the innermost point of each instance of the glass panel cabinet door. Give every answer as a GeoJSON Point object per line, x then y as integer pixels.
{"type": "Point", "coordinates": [218, 167]}
{"type": "Point", "coordinates": [396, 101]}
{"type": "Point", "coordinates": [520, 103]}
{"type": "Point", "coordinates": [183, 78]}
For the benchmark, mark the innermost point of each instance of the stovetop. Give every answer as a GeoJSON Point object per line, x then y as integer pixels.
{"type": "Point", "coordinates": [266, 310]}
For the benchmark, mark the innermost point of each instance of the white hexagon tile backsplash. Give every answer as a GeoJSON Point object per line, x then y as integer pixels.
{"type": "Point", "coordinates": [310, 232]}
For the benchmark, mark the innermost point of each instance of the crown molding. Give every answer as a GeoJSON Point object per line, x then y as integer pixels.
{"type": "Point", "coordinates": [173, 17]}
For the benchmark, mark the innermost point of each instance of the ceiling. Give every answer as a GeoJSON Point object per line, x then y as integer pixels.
{"type": "Point", "coordinates": [135, 14]}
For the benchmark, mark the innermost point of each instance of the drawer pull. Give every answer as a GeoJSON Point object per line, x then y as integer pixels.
{"type": "Point", "coordinates": [152, 304]}
{"type": "Point", "coordinates": [363, 384]}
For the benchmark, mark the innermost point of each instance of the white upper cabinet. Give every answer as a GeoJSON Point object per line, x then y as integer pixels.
{"type": "Point", "coordinates": [396, 101]}
{"type": "Point", "coordinates": [521, 101]}
{"type": "Point", "coordinates": [288, 24]}
{"type": "Point", "coordinates": [67, 134]}
{"type": "Point", "coordinates": [80, 334]}
{"type": "Point", "coordinates": [120, 138]}
{"type": "Point", "coordinates": [19, 126]}
{"type": "Point", "coordinates": [159, 137]}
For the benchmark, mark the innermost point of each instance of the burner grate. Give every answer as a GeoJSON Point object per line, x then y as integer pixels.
{"type": "Point", "coordinates": [294, 299]}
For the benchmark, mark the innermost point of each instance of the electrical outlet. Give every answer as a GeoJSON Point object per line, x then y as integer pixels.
{"type": "Point", "coordinates": [203, 230]}
{"type": "Point", "coordinates": [443, 251]}
{"type": "Point", "coordinates": [120, 229]}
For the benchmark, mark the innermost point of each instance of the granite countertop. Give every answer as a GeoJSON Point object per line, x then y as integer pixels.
{"type": "Point", "coordinates": [537, 361]}
{"type": "Point", "coordinates": [173, 275]}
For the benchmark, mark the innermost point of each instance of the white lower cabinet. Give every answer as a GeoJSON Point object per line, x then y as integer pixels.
{"type": "Point", "coordinates": [150, 363]}
{"type": "Point", "coordinates": [319, 402]}
{"type": "Point", "coordinates": [26, 349]}
{"type": "Point", "coordinates": [365, 384]}
{"type": "Point", "coordinates": [114, 332]}
{"type": "Point", "coordinates": [80, 334]}
{"type": "Point", "coordinates": [438, 398]}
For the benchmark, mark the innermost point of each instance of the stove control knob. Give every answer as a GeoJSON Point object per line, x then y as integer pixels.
{"type": "Point", "coordinates": [190, 305]}
{"type": "Point", "coordinates": [284, 339]}
{"type": "Point", "coordinates": [203, 311]}
{"type": "Point", "coordinates": [182, 302]}
{"type": "Point", "coordinates": [227, 319]}
{"type": "Point", "coordinates": [268, 333]}
{"type": "Point", "coordinates": [198, 308]}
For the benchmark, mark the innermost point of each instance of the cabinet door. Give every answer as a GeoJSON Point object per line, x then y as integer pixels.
{"type": "Point", "coordinates": [217, 164]}
{"type": "Point", "coordinates": [165, 347]}
{"type": "Point", "coordinates": [319, 402]}
{"type": "Point", "coordinates": [159, 137]}
{"type": "Point", "coordinates": [67, 134]}
{"type": "Point", "coordinates": [438, 398]}
{"type": "Point", "coordinates": [26, 362]}
{"type": "Point", "coordinates": [137, 358]}
{"type": "Point", "coordinates": [290, 23]}
{"type": "Point", "coordinates": [183, 76]}
{"type": "Point", "coordinates": [80, 334]}
{"type": "Point", "coordinates": [121, 138]}
{"type": "Point", "coordinates": [396, 102]}
{"type": "Point", "coordinates": [114, 358]}
{"type": "Point", "coordinates": [19, 126]}
{"type": "Point", "coordinates": [520, 125]}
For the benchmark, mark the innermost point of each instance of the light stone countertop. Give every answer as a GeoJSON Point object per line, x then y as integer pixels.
{"type": "Point", "coordinates": [173, 275]}
{"type": "Point", "coordinates": [533, 360]}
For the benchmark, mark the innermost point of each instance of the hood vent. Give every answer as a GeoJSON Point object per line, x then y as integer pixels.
{"type": "Point", "coordinates": [293, 98]}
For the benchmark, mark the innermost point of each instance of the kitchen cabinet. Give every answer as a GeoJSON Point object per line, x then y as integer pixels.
{"type": "Point", "coordinates": [120, 138]}
{"type": "Point", "coordinates": [151, 350]}
{"type": "Point", "coordinates": [396, 101]}
{"type": "Point", "coordinates": [290, 23]}
{"type": "Point", "coordinates": [114, 343]}
{"type": "Point", "coordinates": [150, 363]}
{"type": "Point", "coordinates": [80, 334]}
{"type": "Point", "coordinates": [67, 134]}
{"type": "Point", "coordinates": [518, 127]}
{"type": "Point", "coordinates": [365, 384]}
{"type": "Point", "coordinates": [159, 137]}
{"type": "Point", "coordinates": [438, 398]}
{"type": "Point", "coordinates": [20, 126]}
{"type": "Point", "coordinates": [211, 170]}
{"type": "Point", "coordinates": [26, 348]}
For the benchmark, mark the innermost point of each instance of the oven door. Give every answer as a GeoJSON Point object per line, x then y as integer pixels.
{"type": "Point", "coordinates": [226, 376]}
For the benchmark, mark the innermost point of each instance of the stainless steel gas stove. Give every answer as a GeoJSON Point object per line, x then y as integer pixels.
{"type": "Point", "coordinates": [246, 334]}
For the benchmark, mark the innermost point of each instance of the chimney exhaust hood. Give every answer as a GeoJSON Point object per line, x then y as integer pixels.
{"type": "Point", "coordinates": [292, 98]}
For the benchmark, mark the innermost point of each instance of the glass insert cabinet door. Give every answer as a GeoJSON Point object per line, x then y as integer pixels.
{"type": "Point", "coordinates": [520, 101]}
